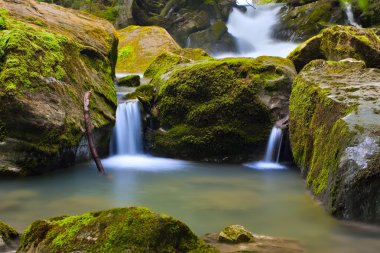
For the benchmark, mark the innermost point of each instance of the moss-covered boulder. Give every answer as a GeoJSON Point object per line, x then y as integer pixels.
{"type": "Point", "coordinates": [140, 45]}
{"type": "Point", "coordinates": [219, 109]}
{"type": "Point", "coordinates": [134, 229]}
{"type": "Point", "coordinates": [337, 43]}
{"type": "Point", "coordinates": [181, 18]}
{"type": "Point", "coordinates": [8, 237]}
{"type": "Point", "coordinates": [300, 20]}
{"type": "Point", "coordinates": [235, 234]}
{"type": "Point", "coordinates": [335, 136]}
{"type": "Point", "coordinates": [49, 57]}
{"type": "Point", "coordinates": [129, 81]}
{"type": "Point", "coordinates": [215, 39]}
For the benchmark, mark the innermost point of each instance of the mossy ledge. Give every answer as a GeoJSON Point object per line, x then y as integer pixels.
{"type": "Point", "coordinates": [219, 109]}
{"type": "Point", "coordinates": [133, 229]}
{"type": "Point", "coordinates": [335, 136]}
{"type": "Point", "coordinates": [46, 67]}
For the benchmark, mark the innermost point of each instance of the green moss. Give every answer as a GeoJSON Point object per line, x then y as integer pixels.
{"type": "Point", "coordinates": [129, 81]}
{"type": "Point", "coordinates": [145, 94]}
{"type": "Point", "coordinates": [7, 233]}
{"type": "Point", "coordinates": [163, 63]}
{"type": "Point", "coordinates": [134, 229]}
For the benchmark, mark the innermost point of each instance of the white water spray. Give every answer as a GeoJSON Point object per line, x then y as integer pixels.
{"type": "Point", "coordinates": [350, 14]}
{"type": "Point", "coordinates": [252, 32]}
{"type": "Point", "coordinates": [127, 138]}
{"type": "Point", "coordinates": [272, 153]}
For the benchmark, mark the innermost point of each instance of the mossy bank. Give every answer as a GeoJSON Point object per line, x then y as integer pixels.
{"type": "Point", "coordinates": [46, 66]}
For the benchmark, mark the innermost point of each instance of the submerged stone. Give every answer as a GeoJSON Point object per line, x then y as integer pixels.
{"type": "Point", "coordinates": [50, 57]}
{"type": "Point", "coordinates": [235, 234]}
{"type": "Point", "coordinates": [338, 43]}
{"type": "Point", "coordinates": [133, 229]}
{"type": "Point", "coordinates": [335, 136]}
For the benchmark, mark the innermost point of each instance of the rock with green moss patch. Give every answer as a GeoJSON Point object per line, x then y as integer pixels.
{"type": "Point", "coordinates": [50, 57]}
{"type": "Point", "coordinates": [338, 43]}
{"type": "Point", "coordinates": [300, 20]}
{"type": "Point", "coordinates": [235, 234]}
{"type": "Point", "coordinates": [366, 12]}
{"type": "Point", "coordinates": [220, 109]}
{"type": "Point", "coordinates": [335, 136]}
{"type": "Point", "coordinates": [134, 229]}
{"type": "Point", "coordinates": [8, 237]}
{"type": "Point", "coordinates": [129, 81]}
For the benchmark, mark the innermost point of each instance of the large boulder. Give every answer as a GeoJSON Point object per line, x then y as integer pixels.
{"type": "Point", "coordinates": [337, 43]}
{"type": "Point", "coordinates": [181, 18]}
{"type": "Point", "coordinates": [134, 229]}
{"type": "Point", "coordinates": [49, 57]}
{"type": "Point", "coordinates": [300, 20]}
{"type": "Point", "coordinates": [219, 109]}
{"type": "Point", "coordinates": [8, 237]}
{"type": "Point", "coordinates": [335, 136]}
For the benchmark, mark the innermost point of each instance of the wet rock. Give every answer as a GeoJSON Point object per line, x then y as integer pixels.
{"type": "Point", "coordinates": [261, 244]}
{"type": "Point", "coordinates": [338, 43]}
{"type": "Point", "coordinates": [133, 229]}
{"type": "Point", "coordinates": [8, 238]}
{"type": "Point", "coordinates": [219, 109]}
{"type": "Point", "coordinates": [235, 234]}
{"type": "Point", "coordinates": [129, 81]}
{"type": "Point", "coordinates": [50, 57]}
{"type": "Point", "coordinates": [301, 21]}
{"type": "Point", "coordinates": [367, 12]}
{"type": "Point", "coordinates": [335, 136]}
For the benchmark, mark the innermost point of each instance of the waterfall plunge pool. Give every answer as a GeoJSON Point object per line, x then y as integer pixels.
{"type": "Point", "coordinates": [207, 197]}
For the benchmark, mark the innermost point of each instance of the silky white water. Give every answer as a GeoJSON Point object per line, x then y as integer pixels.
{"type": "Point", "coordinates": [252, 32]}
{"type": "Point", "coordinates": [350, 14]}
{"type": "Point", "coordinates": [127, 137]}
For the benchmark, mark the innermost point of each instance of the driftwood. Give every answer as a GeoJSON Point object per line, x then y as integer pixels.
{"type": "Point", "coordinates": [89, 133]}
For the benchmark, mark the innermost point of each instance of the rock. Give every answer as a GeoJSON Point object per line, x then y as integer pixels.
{"type": "Point", "coordinates": [261, 244]}
{"type": "Point", "coordinates": [235, 234]}
{"type": "Point", "coordinates": [219, 109]}
{"type": "Point", "coordinates": [300, 22]}
{"type": "Point", "coordinates": [335, 136]}
{"type": "Point", "coordinates": [215, 39]}
{"type": "Point", "coordinates": [129, 81]}
{"type": "Point", "coordinates": [133, 229]}
{"type": "Point", "coordinates": [8, 237]}
{"type": "Point", "coordinates": [140, 45]}
{"type": "Point", "coordinates": [50, 57]}
{"type": "Point", "coordinates": [181, 18]}
{"type": "Point", "coordinates": [367, 12]}
{"type": "Point", "coordinates": [338, 43]}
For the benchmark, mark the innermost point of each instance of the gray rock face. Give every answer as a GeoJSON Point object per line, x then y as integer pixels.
{"type": "Point", "coordinates": [335, 136]}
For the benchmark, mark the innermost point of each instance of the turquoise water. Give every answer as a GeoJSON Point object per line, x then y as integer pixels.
{"type": "Point", "coordinates": [207, 197]}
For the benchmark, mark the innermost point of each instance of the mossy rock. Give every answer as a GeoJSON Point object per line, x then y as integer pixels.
{"type": "Point", "coordinates": [140, 45]}
{"type": "Point", "coordinates": [8, 236]}
{"type": "Point", "coordinates": [235, 234]}
{"type": "Point", "coordinates": [338, 43]}
{"type": "Point", "coordinates": [219, 109]}
{"type": "Point", "coordinates": [133, 229]}
{"type": "Point", "coordinates": [367, 12]}
{"type": "Point", "coordinates": [145, 94]}
{"type": "Point", "coordinates": [300, 20]}
{"type": "Point", "coordinates": [46, 67]}
{"type": "Point", "coordinates": [335, 136]}
{"type": "Point", "coordinates": [129, 81]}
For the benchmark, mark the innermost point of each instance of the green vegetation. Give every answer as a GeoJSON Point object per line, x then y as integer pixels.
{"type": "Point", "coordinates": [7, 233]}
{"type": "Point", "coordinates": [134, 229]}
{"type": "Point", "coordinates": [129, 81]}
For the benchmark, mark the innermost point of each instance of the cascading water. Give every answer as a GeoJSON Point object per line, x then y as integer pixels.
{"type": "Point", "coordinates": [272, 153]}
{"type": "Point", "coordinates": [350, 14]}
{"type": "Point", "coordinates": [252, 32]}
{"type": "Point", "coordinates": [127, 138]}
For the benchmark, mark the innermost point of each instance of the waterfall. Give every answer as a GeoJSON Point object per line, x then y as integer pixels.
{"type": "Point", "coordinates": [350, 15]}
{"type": "Point", "coordinates": [252, 32]}
{"type": "Point", "coordinates": [127, 135]}
{"type": "Point", "coordinates": [272, 153]}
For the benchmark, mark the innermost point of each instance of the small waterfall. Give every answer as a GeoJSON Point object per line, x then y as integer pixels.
{"type": "Point", "coordinates": [127, 134]}
{"type": "Point", "coordinates": [350, 14]}
{"type": "Point", "coordinates": [272, 153]}
{"type": "Point", "coordinates": [252, 31]}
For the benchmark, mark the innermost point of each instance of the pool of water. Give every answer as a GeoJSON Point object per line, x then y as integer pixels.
{"type": "Point", "coordinates": [207, 197]}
